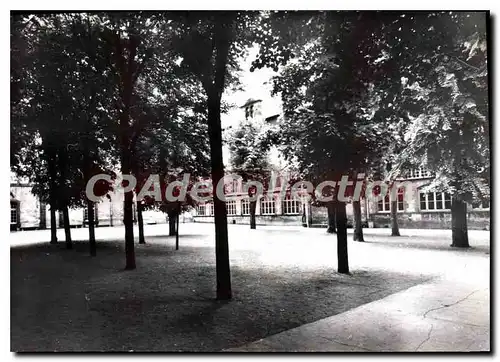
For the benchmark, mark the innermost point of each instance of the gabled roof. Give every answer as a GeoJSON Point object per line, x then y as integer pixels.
{"type": "Point", "coordinates": [250, 101]}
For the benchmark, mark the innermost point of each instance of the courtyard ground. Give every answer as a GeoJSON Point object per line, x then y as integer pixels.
{"type": "Point", "coordinates": [283, 278]}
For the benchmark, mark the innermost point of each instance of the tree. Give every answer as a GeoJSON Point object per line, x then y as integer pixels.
{"type": "Point", "coordinates": [446, 97]}
{"type": "Point", "coordinates": [209, 44]}
{"type": "Point", "coordinates": [249, 159]}
{"type": "Point", "coordinates": [172, 143]}
{"type": "Point", "coordinates": [132, 41]}
{"type": "Point", "coordinates": [65, 85]}
{"type": "Point", "coordinates": [330, 97]}
{"type": "Point", "coordinates": [46, 94]}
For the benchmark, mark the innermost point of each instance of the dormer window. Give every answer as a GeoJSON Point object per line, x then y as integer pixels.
{"type": "Point", "coordinates": [249, 111]}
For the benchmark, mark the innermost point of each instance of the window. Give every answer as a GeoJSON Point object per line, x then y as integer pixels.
{"type": "Point", "coordinates": [235, 186]}
{"type": "Point", "coordinates": [401, 199]}
{"type": "Point", "coordinates": [420, 172]}
{"type": "Point", "coordinates": [13, 213]}
{"type": "Point", "coordinates": [481, 205]}
{"type": "Point", "coordinates": [385, 204]}
{"type": "Point", "coordinates": [245, 207]}
{"type": "Point", "coordinates": [435, 201]}
{"type": "Point", "coordinates": [201, 210]}
{"type": "Point", "coordinates": [231, 207]}
{"type": "Point", "coordinates": [291, 206]}
{"type": "Point", "coordinates": [209, 208]}
{"type": "Point", "coordinates": [249, 111]}
{"type": "Point", "coordinates": [267, 206]}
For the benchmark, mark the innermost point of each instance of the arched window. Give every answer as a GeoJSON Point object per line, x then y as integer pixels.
{"type": "Point", "coordinates": [267, 206]}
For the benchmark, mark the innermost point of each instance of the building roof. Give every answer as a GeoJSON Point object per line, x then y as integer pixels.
{"type": "Point", "coordinates": [250, 101]}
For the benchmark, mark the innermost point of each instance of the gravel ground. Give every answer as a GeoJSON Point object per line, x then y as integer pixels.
{"type": "Point", "coordinates": [64, 300]}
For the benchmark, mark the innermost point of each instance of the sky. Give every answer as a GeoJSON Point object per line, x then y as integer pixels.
{"type": "Point", "coordinates": [255, 85]}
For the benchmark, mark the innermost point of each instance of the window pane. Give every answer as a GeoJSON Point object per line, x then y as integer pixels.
{"type": "Point", "coordinates": [431, 205]}
{"type": "Point", "coordinates": [423, 205]}
{"type": "Point", "coordinates": [439, 201]}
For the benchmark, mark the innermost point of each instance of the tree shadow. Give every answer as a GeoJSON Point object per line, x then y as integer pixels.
{"type": "Point", "coordinates": [407, 242]}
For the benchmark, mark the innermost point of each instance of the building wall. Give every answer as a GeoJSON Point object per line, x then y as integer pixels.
{"type": "Point", "coordinates": [35, 215]}
{"type": "Point", "coordinates": [476, 220]}
{"type": "Point", "coordinates": [29, 207]}
{"type": "Point", "coordinates": [414, 218]}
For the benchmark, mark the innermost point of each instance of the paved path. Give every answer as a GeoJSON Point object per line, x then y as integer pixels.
{"type": "Point", "coordinates": [450, 312]}
{"type": "Point", "coordinates": [438, 316]}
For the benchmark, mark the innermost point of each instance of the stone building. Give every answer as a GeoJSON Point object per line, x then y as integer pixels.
{"type": "Point", "coordinates": [427, 210]}
{"type": "Point", "coordinates": [28, 212]}
{"type": "Point", "coordinates": [420, 210]}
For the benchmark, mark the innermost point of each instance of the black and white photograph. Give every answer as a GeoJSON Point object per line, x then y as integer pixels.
{"type": "Point", "coordinates": [238, 181]}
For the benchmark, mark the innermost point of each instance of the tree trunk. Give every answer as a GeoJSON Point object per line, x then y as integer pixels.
{"type": "Point", "coordinates": [63, 191]}
{"type": "Point", "coordinates": [53, 224]}
{"type": "Point", "coordinates": [253, 208]}
{"type": "Point", "coordinates": [171, 223]}
{"type": "Point", "coordinates": [330, 208]}
{"type": "Point", "coordinates": [67, 228]}
{"type": "Point", "coordinates": [90, 205]}
{"type": "Point", "coordinates": [223, 273]}
{"type": "Point", "coordinates": [128, 210]}
{"type": "Point", "coordinates": [459, 234]}
{"type": "Point", "coordinates": [51, 165]}
{"type": "Point", "coordinates": [91, 220]}
{"type": "Point", "coordinates": [140, 221]}
{"type": "Point", "coordinates": [394, 219]}
{"type": "Point", "coordinates": [177, 228]}
{"type": "Point", "coordinates": [358, 227]}
{"type": "Point", "coordinates": [341, 220]}
{"type": "Point", "coordinates": [125, 68]}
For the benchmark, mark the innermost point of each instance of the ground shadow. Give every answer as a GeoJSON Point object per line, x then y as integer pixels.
{"type": "Point", "coordinates": [67, 302]}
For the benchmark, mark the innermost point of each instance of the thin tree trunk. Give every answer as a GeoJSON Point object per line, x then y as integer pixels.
{"type": "Point", "coordinates": [171, 223]}
{"type": "Point", "coordinates": [91, 220]}
{"type": "Point", "coordinates": [67, 228]}
{"type": "Point", "coordinates": [342, 256]}
{"type": "Point", "coordinates": [63, 164]}
{"type": "Point", "coordinates": [128, 202]}
{"type": "Point", "coordinates": [51, 161]}
{"type": "Point", "coordinates": [358, 227]}
{"type": "Point", "coordinates": [177, 228]}
{"type": "Point", "coordinates": [140, 221]}
{"type": "Point", "coordinates": [394, 219]}
{"type": "Point", "coordinates": [53, 224]}
{"type": "Point", "coordinates": [253, 208]}
{"type": "Point", "coordinates": [459, 234]}
{"type": "Point", "coordinates": [126, 67]}
{"type": "Point", "coordinates": [214, 83]}
{"type": "Point", "coordinates": [128, 197]}
{"type": "Point", "coordinates": [90, 204]}
{"type": "Point", "coordinates": [330, 208]}
{"type": "Point", "coordinates": [223, 273]}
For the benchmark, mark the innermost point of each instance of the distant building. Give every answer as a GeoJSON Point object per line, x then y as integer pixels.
{"type": "Point", "coordinates": [28, 212]}
{"type": "Point", "coordinates": [422, 210]}
{"type": "Point", "coordinates": [429, 210]}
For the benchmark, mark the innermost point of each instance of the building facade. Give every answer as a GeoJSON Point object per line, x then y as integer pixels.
{"type": "Point", "coordinates": [428, 210]}
{"type": "Point", "coordinates": [421, 209]}
{"type": "Point", "coordinates": [27, 212]}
